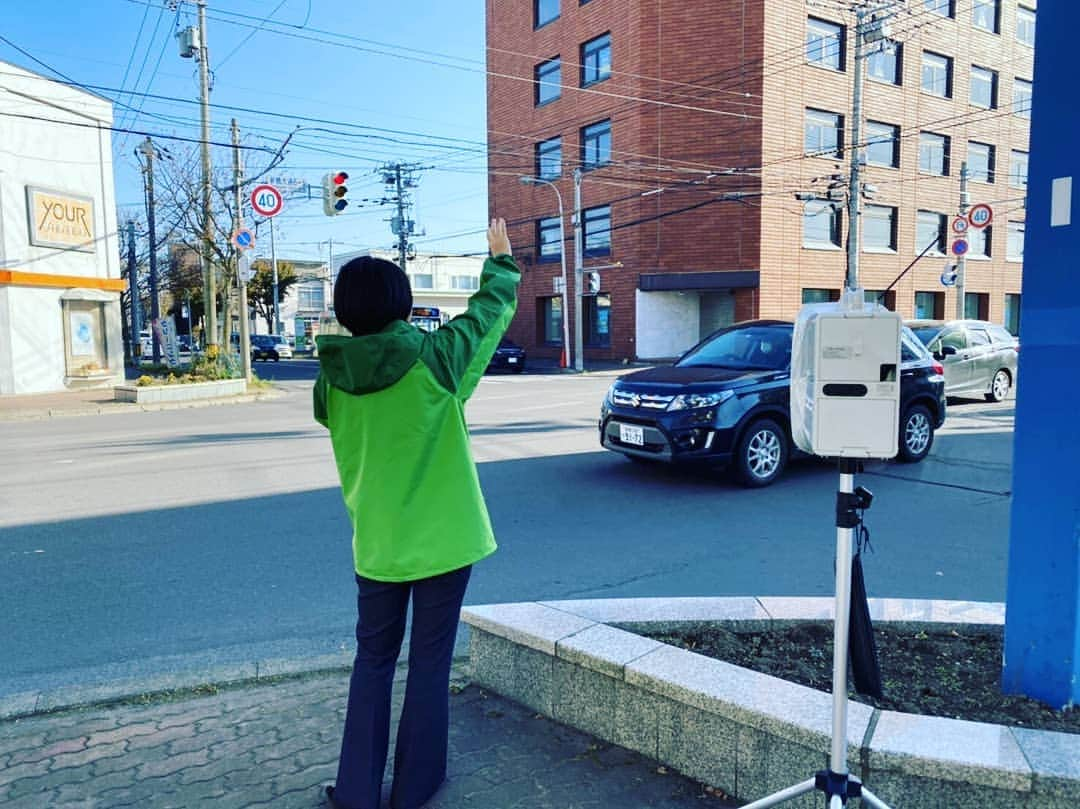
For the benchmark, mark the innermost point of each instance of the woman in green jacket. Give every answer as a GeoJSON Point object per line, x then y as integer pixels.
{"type": "Point", "coordinates": [393, 398]}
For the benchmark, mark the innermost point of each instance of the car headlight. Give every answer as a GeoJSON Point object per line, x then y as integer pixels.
{"type": "Point", "coordinates": [694, 401]}
{"type": "Point", "coordinates": [609, 396]}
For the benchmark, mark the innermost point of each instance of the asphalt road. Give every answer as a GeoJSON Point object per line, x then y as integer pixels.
{"type": "Point", "coordinates": [160, 542]}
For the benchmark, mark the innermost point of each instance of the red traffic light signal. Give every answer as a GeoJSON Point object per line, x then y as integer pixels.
{"type": "Point", "coordinates": [334, 191]}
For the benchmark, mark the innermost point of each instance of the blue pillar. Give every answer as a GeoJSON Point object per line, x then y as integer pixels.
{"type": "Point", "coordinates": [1042, 618]}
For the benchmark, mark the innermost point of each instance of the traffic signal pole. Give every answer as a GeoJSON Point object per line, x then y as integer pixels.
{"type": "Point", "coordinates": [147, 150]}
{"type": "Point", "coordinates": [579, 260]}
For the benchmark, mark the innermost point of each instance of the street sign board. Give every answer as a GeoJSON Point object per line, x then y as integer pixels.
{"type": "Point", "coordinates": [959, 247]}
{"type": "Point", "coordinates": [980, 215]}
{"type": "Point", "coordinates": [948, 278]}
{"type": "Point", "coordinates": [960, 225]}
{"type": "Point", "coordinates": [266, 200]}
{"type": "Point", "coordinates": [244, 269]}
{"type": "Point", "coordinates": [244, 239]}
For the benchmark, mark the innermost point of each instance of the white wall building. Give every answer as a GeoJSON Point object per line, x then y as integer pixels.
{"type": "Point", "coordinates": [59, 254]}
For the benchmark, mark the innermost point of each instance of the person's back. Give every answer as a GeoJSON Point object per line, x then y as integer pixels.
{"type": "Point", "coordinates": [393, 399]}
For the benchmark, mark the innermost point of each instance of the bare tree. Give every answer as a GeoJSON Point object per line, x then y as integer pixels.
{"type": "Point", "coordinates": [261, 286]}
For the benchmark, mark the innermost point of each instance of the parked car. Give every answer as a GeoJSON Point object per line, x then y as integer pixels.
{"type": "Point", "coordinates": [263, 347]}
{"type": "Point", "coordinates": [281, 345]}
{"type": "Point", "coordinates": [509, 356]}
{"type": "Point", "coordinates": [979, 357]}
{"type": "Point", "coordinates": [725, 402]}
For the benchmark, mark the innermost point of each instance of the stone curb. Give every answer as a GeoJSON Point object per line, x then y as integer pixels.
{"type": "Point", "coordinates": [750, 734]}
{"type": "Point", "coordinates": [112, 408]}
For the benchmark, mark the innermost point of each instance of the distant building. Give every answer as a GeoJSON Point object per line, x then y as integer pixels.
{"type": "Point", "coordinates": [60, 283]}
{"type": "Point", "coordinates": [666, 108]}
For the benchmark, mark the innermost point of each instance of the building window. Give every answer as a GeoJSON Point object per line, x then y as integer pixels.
{"type": "Point", "coordinates": [544, 11]}
{"type": "Point", "coordinates": [596, 314]}
{"type": "Point", "coordinates": [985, 14]}
{"type": "Point", "coordinates": [1012, 313]}
{"type": "Point", "coordinates": [937, 74]}
{"type": "Point", "coordinates": [984, 87]}
{"type": "Point", "coordinates": [549, 159]}
{"type": "Point", "coordinates": [886, 63]}
{"type": "Point", "coordinates": [820, 295]}
{"type": "Point", "coordinates": [980, 160]}
{"type": "Point", "coordinates": [882, 144]}
{"type": "Point", "coordinates": [1014, 241]}
{"type": "Point", "coordinates": [980, 241]}
{"type": "Point", "coordinates": [311, 296]}
{"type": "Point", "coordinates": [1025, 25]}
{"type": "Point", "coordinates": [821, 224]}
{"type": "Point", "coordinates": [550, 320]}
{"type": "Point", "coordinates": [930, 229]}
{"type": "Point", "coordinates": [596, 60]}
{"type": "Point", "coordinates": [879, 228]}
{"type": "Point", "coordinates": [464, 282]}
{"type": "Point", "coordinates": [824, 133]}
{"type": "Point", "coordinates": [1018, 169]}
{"type": "Point", "coordinates": [943, 8]}
{"type": "Point", "coordinates": [547, 239]}
{"type": "Point", "coordinates": [548, 77]}
{"type": "Point", "coordinates": [596, 223]}
{"type": "Point", "coordinates": [423, 280]}
{"type": "Point", "coordinates": [976, 307]}
{"type": "Point", "coordinates": [1022, 98]}
{"type": "Point", "coordinates": [929, 305]}
{"type": "Point", "coordinates": [596, 145]}
{"type": "Point", "coordinates": [873, 296]}
{"type": "Point", "coordinates": [933, 153]}
{"type": "Point", "coordinates": [824, 43]}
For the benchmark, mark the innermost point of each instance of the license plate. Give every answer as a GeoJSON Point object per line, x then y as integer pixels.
{"type": "Point", "coordinates": [629, 434]}
{"type": "Point", "coordinates": [512, 360]}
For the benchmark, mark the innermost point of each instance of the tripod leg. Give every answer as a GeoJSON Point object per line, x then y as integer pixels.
{"type": "Point", "coordinates": [783, 795]}
{"type": "Point", "coordinates": [872, 800]}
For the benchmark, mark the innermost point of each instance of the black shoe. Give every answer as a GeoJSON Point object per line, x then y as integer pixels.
{"type": "Point", "coordinates": [330, 798]}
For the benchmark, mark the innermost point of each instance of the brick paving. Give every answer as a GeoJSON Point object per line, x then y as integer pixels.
{"type": "Point", "coordinates": [276, 745]}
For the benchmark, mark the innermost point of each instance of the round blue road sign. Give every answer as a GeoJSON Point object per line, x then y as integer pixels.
{"type": "Point", "coordinates": [959, 247]}
{"type": "Point", "coordinates": [243, 239]}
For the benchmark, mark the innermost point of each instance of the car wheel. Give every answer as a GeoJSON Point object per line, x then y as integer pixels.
{"type": "Point", "coordinates": [916, 434]}
{"type": "Point", "coordinates": [999, 388]}
{"type": "Point", "coordinates": [762, 454]}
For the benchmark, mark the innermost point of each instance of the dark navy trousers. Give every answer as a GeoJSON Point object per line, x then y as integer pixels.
{"type": "Point", "coordinates": [420, 754]}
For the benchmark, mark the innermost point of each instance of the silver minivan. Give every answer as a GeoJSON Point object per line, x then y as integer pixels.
{"type": "Point", "coordinates": [979, 357]}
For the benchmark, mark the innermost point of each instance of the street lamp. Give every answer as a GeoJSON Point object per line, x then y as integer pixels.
{"type": "Point", "coordinates": [562, 258]}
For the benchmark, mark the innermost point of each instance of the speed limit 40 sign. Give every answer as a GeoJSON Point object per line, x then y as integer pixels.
{"type": "Point", "coordinates": [980, 215]}
{"type": "Point", "coordinates": [266, 200]}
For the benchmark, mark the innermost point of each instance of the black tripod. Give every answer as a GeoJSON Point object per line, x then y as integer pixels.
{"type": "Point", "coordinates": [836, 782]}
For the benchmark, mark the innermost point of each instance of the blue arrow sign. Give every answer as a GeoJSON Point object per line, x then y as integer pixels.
{"type": "Point", "coordinates": [243, 239]}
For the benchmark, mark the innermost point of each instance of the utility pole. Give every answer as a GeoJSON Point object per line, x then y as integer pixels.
{"type": "Point", "coordinates": [133, 282]}
{"type": "Point", "coordinates": [854, 184]}
{"type": "Point", "coordinates": [961, 260]}
{"type": "Point", "coordinates": [209, 281]}
{"type": "Point", "coordinates": [579, 259]}
{"type": "Point", "coordinates": [147, 150]}
{"type": "Point", "coordinates": [403, 236]}
{"type": "Point", "coordinates": [241, 279]}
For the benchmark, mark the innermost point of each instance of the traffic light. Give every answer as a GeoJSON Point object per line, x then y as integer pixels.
{"type": "Point", "coordinates": [594, 282]}
{"type": "Point", "coordinates": [334, 191]}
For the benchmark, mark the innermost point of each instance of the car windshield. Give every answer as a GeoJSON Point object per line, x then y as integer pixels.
{"type": "Point", "coordinates": [748, 348]}
{"type": "Point", "coordinates": [910, 348]}
{"type": "Point", "coordinates": [926, 334]}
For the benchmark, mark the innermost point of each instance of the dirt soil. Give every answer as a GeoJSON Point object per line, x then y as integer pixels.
{"type": "Point", "coordinates": [952, 671]}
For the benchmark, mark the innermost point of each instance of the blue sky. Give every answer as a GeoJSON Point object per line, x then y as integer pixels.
{"type": "Point", "coordinates": [418, 70]}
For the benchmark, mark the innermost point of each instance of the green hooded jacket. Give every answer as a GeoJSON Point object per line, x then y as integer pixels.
{"type": "Point", "coordinates": [394, 403]}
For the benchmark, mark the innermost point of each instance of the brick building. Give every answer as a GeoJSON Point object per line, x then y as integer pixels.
{"type": "Point", "coordinates": [696, 124]}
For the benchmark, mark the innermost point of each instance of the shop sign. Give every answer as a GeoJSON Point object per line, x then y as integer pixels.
{"type": "Point", "coordinates": [60, 220]}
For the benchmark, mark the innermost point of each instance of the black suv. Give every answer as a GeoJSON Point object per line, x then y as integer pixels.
{"type": "Point", "coordinates": [726, 402]}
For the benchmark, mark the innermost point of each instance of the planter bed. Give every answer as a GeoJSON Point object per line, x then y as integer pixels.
{"type": "Point", "coordinates": [186, 392]}
{"type": "Point", "coordinates": [750, 734]}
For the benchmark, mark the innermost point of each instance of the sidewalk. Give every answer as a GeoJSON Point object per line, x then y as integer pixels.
{"type": "Point", "coordinates": [276, 744]}
{"type": "Point", "coordinates": [99, 401]}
